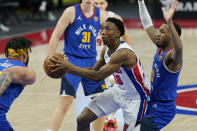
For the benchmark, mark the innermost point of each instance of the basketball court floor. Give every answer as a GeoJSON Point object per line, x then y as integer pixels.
{"type": "Point", "coordinates": [32, 110]}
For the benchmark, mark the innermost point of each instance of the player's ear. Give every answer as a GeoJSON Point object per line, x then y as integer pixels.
{"type": "Point", "coordinates": [106, 3]}
{"type": "Point", "coordinates": [118, 34]}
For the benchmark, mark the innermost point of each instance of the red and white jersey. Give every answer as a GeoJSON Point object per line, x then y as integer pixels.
{"type": "Point", "coordinates": [131, 82]}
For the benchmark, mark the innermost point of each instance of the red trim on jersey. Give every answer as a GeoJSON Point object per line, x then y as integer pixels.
{"type": "Point", "coordinates": [159, 51]}
{"type": "Point", "coordinates": [144, 108]}
{"type": "Point", "coordinates": [139, 79]}
{"type": "Point", "coordinates": [85, 15]}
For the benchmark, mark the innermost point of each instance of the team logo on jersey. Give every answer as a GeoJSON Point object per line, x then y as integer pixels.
{"type": "Point", "coordinates": [95, 18]}
{"type": "Point", "coordinates": [160, 57]}
{"type": "Point", "coordinates": [79, 18]}
{"type": "Point", "coordinates": [186, 101]}
{"type": "Point", "coordinates": [103, 86]}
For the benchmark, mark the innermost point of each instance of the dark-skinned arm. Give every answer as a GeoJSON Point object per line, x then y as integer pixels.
{"type": "Point", "coordinates": [123, 57]}
{"type": "Point", "coordinates": [176, 55]}
{"type": "Point", "coordinates": [120, 58]}
{"type": "Point", "coordinates": [146, 21]}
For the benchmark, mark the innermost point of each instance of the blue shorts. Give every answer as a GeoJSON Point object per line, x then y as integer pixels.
{"type": "Point", "coordinates": [158, 115]}
{"type": "Point", "coordinates": [4, 124]}
{"type": "Point", "coordinates": [70, 83]}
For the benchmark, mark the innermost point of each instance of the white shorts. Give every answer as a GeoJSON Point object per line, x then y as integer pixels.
{"type": "Point", "coordinates": [110, 101]}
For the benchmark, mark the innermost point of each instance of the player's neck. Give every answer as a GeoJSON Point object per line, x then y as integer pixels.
{"type": "Point", "coordinates": [166, 49]}
{"type": "Point", "coordinates": [113, 47]}
{"type": "Point", "coordinates": [87, 10]}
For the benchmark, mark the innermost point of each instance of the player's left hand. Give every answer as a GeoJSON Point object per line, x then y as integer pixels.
{"type": "Point", "coordinates": [59, 64]}
{"type": "Point", "coordinates": [169, 14]}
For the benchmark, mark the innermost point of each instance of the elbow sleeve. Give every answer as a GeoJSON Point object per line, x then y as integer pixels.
{"type": "Point", "coordinates": [144, 15]}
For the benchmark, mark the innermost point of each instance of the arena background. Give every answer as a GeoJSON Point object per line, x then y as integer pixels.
{"type": "Point", "coordinates": [32, 110]}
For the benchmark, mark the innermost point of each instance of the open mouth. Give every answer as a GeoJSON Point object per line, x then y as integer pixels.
{"type": "Point", "coordinates": [104, 40]}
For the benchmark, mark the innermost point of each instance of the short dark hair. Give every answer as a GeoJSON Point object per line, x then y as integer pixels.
{"type": "Point", "coordinates": [118, 23]}
{"type": "Point", "coordinates": [16, 44]}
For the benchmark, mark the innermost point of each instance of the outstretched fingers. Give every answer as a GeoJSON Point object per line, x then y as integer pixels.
{"type": "Point", "coordinates": [55, 61]}
{"type": "Point", "coordinates": [175, 5]}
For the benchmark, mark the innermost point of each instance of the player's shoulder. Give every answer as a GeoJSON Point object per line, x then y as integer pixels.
{"type": "Point", "coordinates": [118, 17]}
{"type": "Point", "coordinates": [125, 49]}
{"type": "Point", "coordinates": [110, 14]}
{"type": "Point", "coordinates": [70, 9]}
{"type": "Point", "coordinates": [69, 13]}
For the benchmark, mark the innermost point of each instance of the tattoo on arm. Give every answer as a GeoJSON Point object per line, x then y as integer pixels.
{"type": "Point", "coordinates": [152, 32]}
{"type": "Point", "coordinates": [5, 80]}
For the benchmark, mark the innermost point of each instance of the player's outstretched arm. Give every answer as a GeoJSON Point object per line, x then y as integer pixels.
{"type": "Point", "coordinates": [5, 80]}
{"type": "Point", "coordinates": [176, 55]}
{"type": "Point", "coordinates": [21, 75]}
{"type": "Point", "coordinates": [121, 58]}
{"type": "Point", "coordinates": [146, 21]}
{"type": "Point", "coordinates": [64, 21]}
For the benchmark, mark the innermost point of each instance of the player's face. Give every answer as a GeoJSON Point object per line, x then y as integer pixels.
{"type": "Point", "coordinates": [87, 2]}
{"type": "Point", "coordinates": [102, 4]}
{"type": "Point", "coordinates": [163, 36]}
{"type": "Point", "coordinates": [109, 33]}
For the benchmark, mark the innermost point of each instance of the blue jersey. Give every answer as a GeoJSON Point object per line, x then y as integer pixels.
{"type": "Point", "coordinates": [80, 36]}
{"type": "Point", "coordinates": [14, 90]}
{"type": "Point", "coordinates": [163, 81]}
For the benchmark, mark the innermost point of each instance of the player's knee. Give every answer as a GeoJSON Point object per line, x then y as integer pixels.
{"type": "Point", "coordinates": [82, 121]}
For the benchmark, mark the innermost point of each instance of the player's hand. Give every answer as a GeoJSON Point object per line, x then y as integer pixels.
{"type": "Point", "coordinates": [59, 64]}
{"type": "Point", "coordinates": [169, 14]}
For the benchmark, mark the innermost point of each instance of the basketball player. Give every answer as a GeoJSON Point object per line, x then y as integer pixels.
{"type": "Point", "coordinates": [80, 25]}
{"type": "Point", "coordinates": [14, 76]}
{"type": "Point", "coordinates": [119, 59]}
{"type": "Point", "coordinates": [103, 4]}
{"type": "Point", "coordinates": [166, 67]}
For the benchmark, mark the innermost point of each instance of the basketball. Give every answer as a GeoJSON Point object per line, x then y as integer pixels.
{"type": "Point", "coordinates": [57, 74]}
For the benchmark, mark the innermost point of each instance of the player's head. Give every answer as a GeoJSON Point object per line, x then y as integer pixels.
{"type": "Point", "coordinates": [164, 37]}
{"type": "Point", "coordinates": [18, 48]}
{"type": "Point", "coordinates": [112, 29]}
{"type": "Point", "coordinates": [102, 4]}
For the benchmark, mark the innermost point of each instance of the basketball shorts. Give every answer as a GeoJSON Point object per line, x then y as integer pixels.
{"type": "Point", "coordinates": [70, 83]}
{"type": "Point", "coordinates": [110, 101]}
{"type": "Point", "coordinates": [158, 115]}
{"type": "Point", "coordinates": [4, 124]}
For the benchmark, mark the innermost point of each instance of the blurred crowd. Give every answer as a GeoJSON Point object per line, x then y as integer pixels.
{"type": "Point", "coordinates": [11, 10]}
{"type": "Point", "coordinates": [43, 8]}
